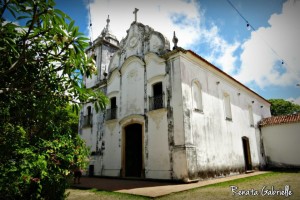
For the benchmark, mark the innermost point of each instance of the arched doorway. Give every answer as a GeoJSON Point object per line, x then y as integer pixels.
{"type": "Point", "coordinates": [133, 148]}
{"type": "Point", "coordinates": [247, 153]}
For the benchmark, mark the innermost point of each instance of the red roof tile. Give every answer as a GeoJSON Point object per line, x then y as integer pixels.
{"type": "Point", "coordinates": [283, 119]}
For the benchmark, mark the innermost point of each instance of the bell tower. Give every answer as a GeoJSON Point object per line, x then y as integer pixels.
{"type": "Point", "coordinates": [102, 50]}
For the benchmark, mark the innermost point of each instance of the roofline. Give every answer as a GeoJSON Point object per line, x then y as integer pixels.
{"type": "Point", "coordinates": [224, 73]}
{"type": "Point", "coordinates": [98, 42]}
{"type": "Point", "coordinates": [278, 122]}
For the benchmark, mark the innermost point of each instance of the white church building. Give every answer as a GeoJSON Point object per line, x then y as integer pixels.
{"type": "Point", "coordinates": [172, 114]}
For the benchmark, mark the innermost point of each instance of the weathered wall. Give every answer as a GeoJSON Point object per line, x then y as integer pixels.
{"type": "Point", "coordinates": [176, 122]}
{"type": "Point", "coordinates": [132, 88]}
{"type": "Point", "coordinates": [132, 85]}
{"type": "Point", "coordinates": [281, 144]}
{"type": "Point", "coordinates": [112, 153]}
{"type": "Point", "coordinates": [93, 135]}
{"type": "Point", "coordinates": [179, 141]}
{"type": "Point", "coordinates": [157, 157]}
{"type": "Point", "coordinates": [217, 141]}
{"type": "Point", "coordinates": [103, 55]}
{"type": "Point", "coordinates": [158, 162]}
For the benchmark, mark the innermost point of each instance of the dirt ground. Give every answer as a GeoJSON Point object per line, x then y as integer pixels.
{"type": "Point", "coordinates": [279, 180]}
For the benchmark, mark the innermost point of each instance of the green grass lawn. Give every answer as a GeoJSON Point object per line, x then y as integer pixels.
{"type": "Point", "coordinates": [279, 180]}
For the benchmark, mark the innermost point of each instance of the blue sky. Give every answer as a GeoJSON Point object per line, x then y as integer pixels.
{"type": "Point", "coordinates": [215, 31]}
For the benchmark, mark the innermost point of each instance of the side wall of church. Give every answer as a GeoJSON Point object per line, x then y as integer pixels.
{"type": "Point", "coordinates": [212, 133]}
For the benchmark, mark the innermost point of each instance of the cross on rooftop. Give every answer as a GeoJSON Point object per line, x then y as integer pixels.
{"type": "Point", "coordinates": [135, 14]}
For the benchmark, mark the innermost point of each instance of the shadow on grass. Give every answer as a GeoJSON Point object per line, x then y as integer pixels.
{"type": "Point", "coordinates": [110, 184]}
{"type": "Point", "coordinates": [112, 195]}
{"type": "Point", "coordinates": [286, 170]}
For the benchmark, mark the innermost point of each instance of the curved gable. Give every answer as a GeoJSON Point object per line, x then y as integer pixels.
{"type": "Point", "coordinates": [129, 61]}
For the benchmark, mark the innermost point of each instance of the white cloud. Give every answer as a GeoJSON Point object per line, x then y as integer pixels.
{"type": "Point", "coordinates": [294, 100]}
{"type": "Point", "coordinates": [184, 17]}
{"type": "Point", "coordinates": [160, 15]}
{"type": "Point", "coordinates": [221, 52]}
{"type": "Point", "coordinates": [260, 63]}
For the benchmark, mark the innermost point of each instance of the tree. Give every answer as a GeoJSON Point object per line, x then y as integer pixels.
{"type": "Point", "coordinates": [283, 107]}
{"type": "Point", "coordinates": [45, 56]}
{"type": "Point", "coordinates": [42, 62]}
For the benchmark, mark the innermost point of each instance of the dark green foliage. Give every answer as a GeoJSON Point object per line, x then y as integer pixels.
{"type": "Point", "coordinates": [42, 61]}
{"type": "Point", "coordinates": [40, 168]}
{"type": "Point", "coordinates": [283, 107]}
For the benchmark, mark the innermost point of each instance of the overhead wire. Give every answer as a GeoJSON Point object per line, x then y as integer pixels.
{"type": "Point", "coordinates": [251, 27]}
{"type": "Point", "coordinates": [91, 25]}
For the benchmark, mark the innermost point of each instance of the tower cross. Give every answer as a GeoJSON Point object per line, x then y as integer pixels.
{"type": "Point", "coordinates": [135, 14]}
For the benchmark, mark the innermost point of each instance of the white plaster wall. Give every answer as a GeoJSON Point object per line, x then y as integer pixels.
{"type": "Point", "coordinates": [94, 135]}
{"type": "Point", "coordinates": [219, 141]}
{"type": "Point", "coordinates": [155, 66]}
{"type": "Point", "coordinates": [281, 144]}
{"type": "Point", "coordinates": [179, 164]}
{"type": "Point", "coordinates": [87, 131]}
{"type": "Point", "coordinates": [97, 162]}
{"type": "Point", "coordinates": [176, 103]}
{"type": "Point", "coordinates": [158, 163]}
{"type": "Point", "coordinates": [133, 46]}
{"type": "Point", "coordinates": [132, 89]}
{"type": "Point", "coordinates": [91, 81]}
{"type": "Point", "coordinates": [104, 54]}
{"type": "Point", "coordinates": [113, 88]}
{"type": "Point", "coordinates": [179, 157]}
{"type": "Point", "coordinates": [91, 135]}
{"type": "Point", "coordinates": [112, 153]}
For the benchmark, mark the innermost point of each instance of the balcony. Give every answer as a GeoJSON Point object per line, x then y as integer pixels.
{"type": "Point", "coordinates": [111, 113]}
{"type": "Point", "coordinates": [87, 120]}
{"type": "Point", "coordinates": [156, 102]}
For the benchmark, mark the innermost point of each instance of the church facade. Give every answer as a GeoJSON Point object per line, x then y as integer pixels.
{"type": "Point", "coordinates": [172, 114]}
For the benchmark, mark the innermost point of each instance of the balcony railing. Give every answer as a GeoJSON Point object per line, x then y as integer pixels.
{"type": "Point", "coordinates": [111, 113]}
{"type": "Point", "coordinates": [156, 102]}
{"type": "Point", "coordinates": [88, 120]}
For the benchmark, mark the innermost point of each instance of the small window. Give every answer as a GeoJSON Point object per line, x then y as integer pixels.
{"type": "Point", "coordinates": [227, 106]}
{"type": "Point", "coordinates": [89, 110]}
{"type": "Point", "coordinates": [88, 117]}
{"type": "Point", "coordinates": [157, 100]}
{"type": "Point", "coordinates": [251, 120]}
{"type": "Point", "coordinates": [113, 102]}
{"type": "Point", "coordinates": [111, 113]}
{"type": "Point", "coordinates": [157, 89]}
{"type": "Point", "coordinates": [197, 97]}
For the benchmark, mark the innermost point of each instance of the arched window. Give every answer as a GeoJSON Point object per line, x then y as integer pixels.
{"type": "Point", "coordinates": [251, 120]}
{"type": "Point", "coordinates": [227, 106]}
{"type": "Point", "coordinates": [197, 97]}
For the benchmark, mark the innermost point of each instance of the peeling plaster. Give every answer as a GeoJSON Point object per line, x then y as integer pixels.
{"type": "Point", "coordinates": [200, 138]}
{"type": "Point", "coordinates": [170, 118]}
